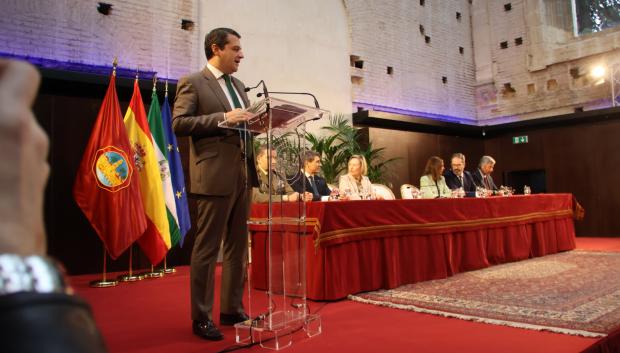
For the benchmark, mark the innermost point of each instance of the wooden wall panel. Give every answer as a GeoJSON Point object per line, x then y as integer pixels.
{"type": "Point", "coordinates": [413, 150]}
{"type": "Point", "coordinates": [581, 159]}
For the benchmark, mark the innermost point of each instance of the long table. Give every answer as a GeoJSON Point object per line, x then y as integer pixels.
{"type": "Point", "coordinates": [358, 246]}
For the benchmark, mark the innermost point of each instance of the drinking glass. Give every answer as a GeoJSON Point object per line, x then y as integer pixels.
{"type": "Point", "coordinates": [334, 195]}
{"type": "Point", "coordinates": [526, 190]}
{"type": "Point", "coordinates": [454, 193]}
{"type": "Point", "coordinates": [347, 193]}
{"type": "Point", "coordinates": [363, 194]}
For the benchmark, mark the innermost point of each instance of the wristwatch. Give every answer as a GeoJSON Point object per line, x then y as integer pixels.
{"type": "Point", "coordinates": [37, 274]}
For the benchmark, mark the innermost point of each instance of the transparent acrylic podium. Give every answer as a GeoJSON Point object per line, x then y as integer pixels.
{"type": "Point", "coordinates": [283, 311]}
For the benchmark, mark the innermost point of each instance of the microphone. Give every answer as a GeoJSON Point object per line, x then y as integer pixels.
{"type": "Point", "coordinates": [316, 102]}
{"type": "Point", "coordinates": [265, 92]}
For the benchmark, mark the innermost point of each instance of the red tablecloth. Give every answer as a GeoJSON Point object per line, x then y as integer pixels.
{"type": "Point", "coordinates": [357, 246]}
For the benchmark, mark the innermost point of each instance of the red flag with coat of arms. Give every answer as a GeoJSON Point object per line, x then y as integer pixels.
{"type": "Point", "coordinates": [107, 187]}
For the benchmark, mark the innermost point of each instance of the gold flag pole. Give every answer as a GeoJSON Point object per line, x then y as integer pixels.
{"type": "Point", "coordinates": [130, 277]}
{"type": "Point", "coordinates": [104, 282]}
{"type": "Point", "coordinates": [114, 65]}
{"type": "Point", "coordinates": [152, 273]}
{"type": "Point", "coordinates": [167, 270]}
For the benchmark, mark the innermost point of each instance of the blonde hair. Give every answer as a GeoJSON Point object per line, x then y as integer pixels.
{"type": "Point", "coordinates": [362, 160]}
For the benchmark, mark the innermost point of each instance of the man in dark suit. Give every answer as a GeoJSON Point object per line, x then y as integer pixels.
{"type": "Point", "coordinates": [458, 177]}
{"type": "Point", "coordinates": [308, 179]}
{"type": "Point", "coordinates": [280, 189]}
{"type": "Point", "coordinates": [222, 173]}
{"type": "Point", "coordinates": [482, 175]}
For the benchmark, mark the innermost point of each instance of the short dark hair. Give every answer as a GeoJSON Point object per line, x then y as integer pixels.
{"type": "Point", "coordinates": [309, 156]}
{"type": "Point", "coordinates": [219, 37]}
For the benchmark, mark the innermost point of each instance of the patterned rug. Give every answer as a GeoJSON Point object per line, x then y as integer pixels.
{"type": "Point", "coordinates": [576, 292]}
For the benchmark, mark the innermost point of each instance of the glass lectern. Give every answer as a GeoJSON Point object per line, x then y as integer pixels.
{"type": "Point", "coordinates": [283, 310]}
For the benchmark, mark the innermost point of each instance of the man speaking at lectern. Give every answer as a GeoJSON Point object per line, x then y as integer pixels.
{"type": "Point", "coordinates": [218, 179]}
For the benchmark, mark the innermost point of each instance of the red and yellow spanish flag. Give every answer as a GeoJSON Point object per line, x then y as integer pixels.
{"type": "Point", "coordinates": [156, 239]}
{"type": "Point", "coordinates": [106, 187]}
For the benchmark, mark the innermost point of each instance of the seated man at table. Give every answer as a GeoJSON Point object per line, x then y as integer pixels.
{"type": "Point", "coordinates": [458, 177]}
{"type": "Point", "coordinates": [482, 175]}
{"type": "Point", "coordinates": [280, 190]}
{"type": "Point", "coordinates": [309, 180]}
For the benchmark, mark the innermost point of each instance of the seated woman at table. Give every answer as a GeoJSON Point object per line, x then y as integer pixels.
{"type": "Point", "coordinates": [355, 185]}
{"type": "Point", "coordinates": [432, 183]}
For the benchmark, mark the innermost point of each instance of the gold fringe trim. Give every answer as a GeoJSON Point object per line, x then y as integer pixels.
{"type": "Point", "coordinates": [345, 233]}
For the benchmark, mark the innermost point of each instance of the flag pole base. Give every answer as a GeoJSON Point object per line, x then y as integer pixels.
{"type": "Point", "coordinates": [152, 274]}
{"type": "Point", "coordinates": [130, 278]}
{"type": "Point", "coordinates": [103, 283]}
{"type": "Point", "coordinates": [168, 270]}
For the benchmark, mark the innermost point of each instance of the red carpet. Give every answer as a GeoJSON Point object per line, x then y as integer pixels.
{"type": "Point", "coordinates": [153, 316]}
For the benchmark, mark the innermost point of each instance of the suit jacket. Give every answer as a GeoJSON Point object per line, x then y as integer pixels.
{"type": "Point", "coordinates": [453, 181]}
{"type": "Point", "coordinates": [279, 187]}
{"type": "Point", "coordinates": [477, 176]}
{"type": "Point", "coordinates": [348, 182]}
{"type": "Point", "coordinates": [321, 186]}
{"type": "Point", "coordinates": [434, 190]}
{"type": "Point", "coordinates": [200, 105]}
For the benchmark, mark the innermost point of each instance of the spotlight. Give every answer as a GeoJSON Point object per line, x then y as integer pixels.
{"type": "Point", "coordinates": [598, 71]}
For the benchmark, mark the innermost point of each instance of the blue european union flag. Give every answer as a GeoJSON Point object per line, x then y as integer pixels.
{"type": "Point", "coordinates": [176, 171]}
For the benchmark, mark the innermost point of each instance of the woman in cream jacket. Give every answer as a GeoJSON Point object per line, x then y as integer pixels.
{"type": "Point", "coordinates": [355, 185]}
{"type": "Point", "coordinates": [432, 183]}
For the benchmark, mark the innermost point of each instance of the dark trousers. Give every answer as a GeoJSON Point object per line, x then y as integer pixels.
{"type": "Point", "coordinates": [220, 218]}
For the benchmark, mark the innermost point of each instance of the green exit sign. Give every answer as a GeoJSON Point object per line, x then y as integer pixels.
{"type": "Point", "coordinates": [519, 139]}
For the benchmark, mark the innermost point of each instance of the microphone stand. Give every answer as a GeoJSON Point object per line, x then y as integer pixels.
{"type": "Point", "coordinates": [316, 102]}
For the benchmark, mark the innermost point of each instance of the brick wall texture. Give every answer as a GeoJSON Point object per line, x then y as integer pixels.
{"type": "Point", "coordinates": [388, 33]}
{"type": "Point", "coordinates": [545, 74]}
{"type": "Point", "coordinates": [142, 34]}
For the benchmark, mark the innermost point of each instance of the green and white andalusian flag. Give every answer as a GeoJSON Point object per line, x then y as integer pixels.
{"type": "Point", "coordinates": [159, 138]}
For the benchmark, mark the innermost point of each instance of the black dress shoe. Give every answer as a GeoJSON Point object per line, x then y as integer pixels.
{"type": "Point", "coordinates": [207, 330]}
{"type": "Point", "coordinates": [231, 319]}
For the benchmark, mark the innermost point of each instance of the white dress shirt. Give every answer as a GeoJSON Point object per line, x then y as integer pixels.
{"type": "Point", "coordinates": [220, 79]}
